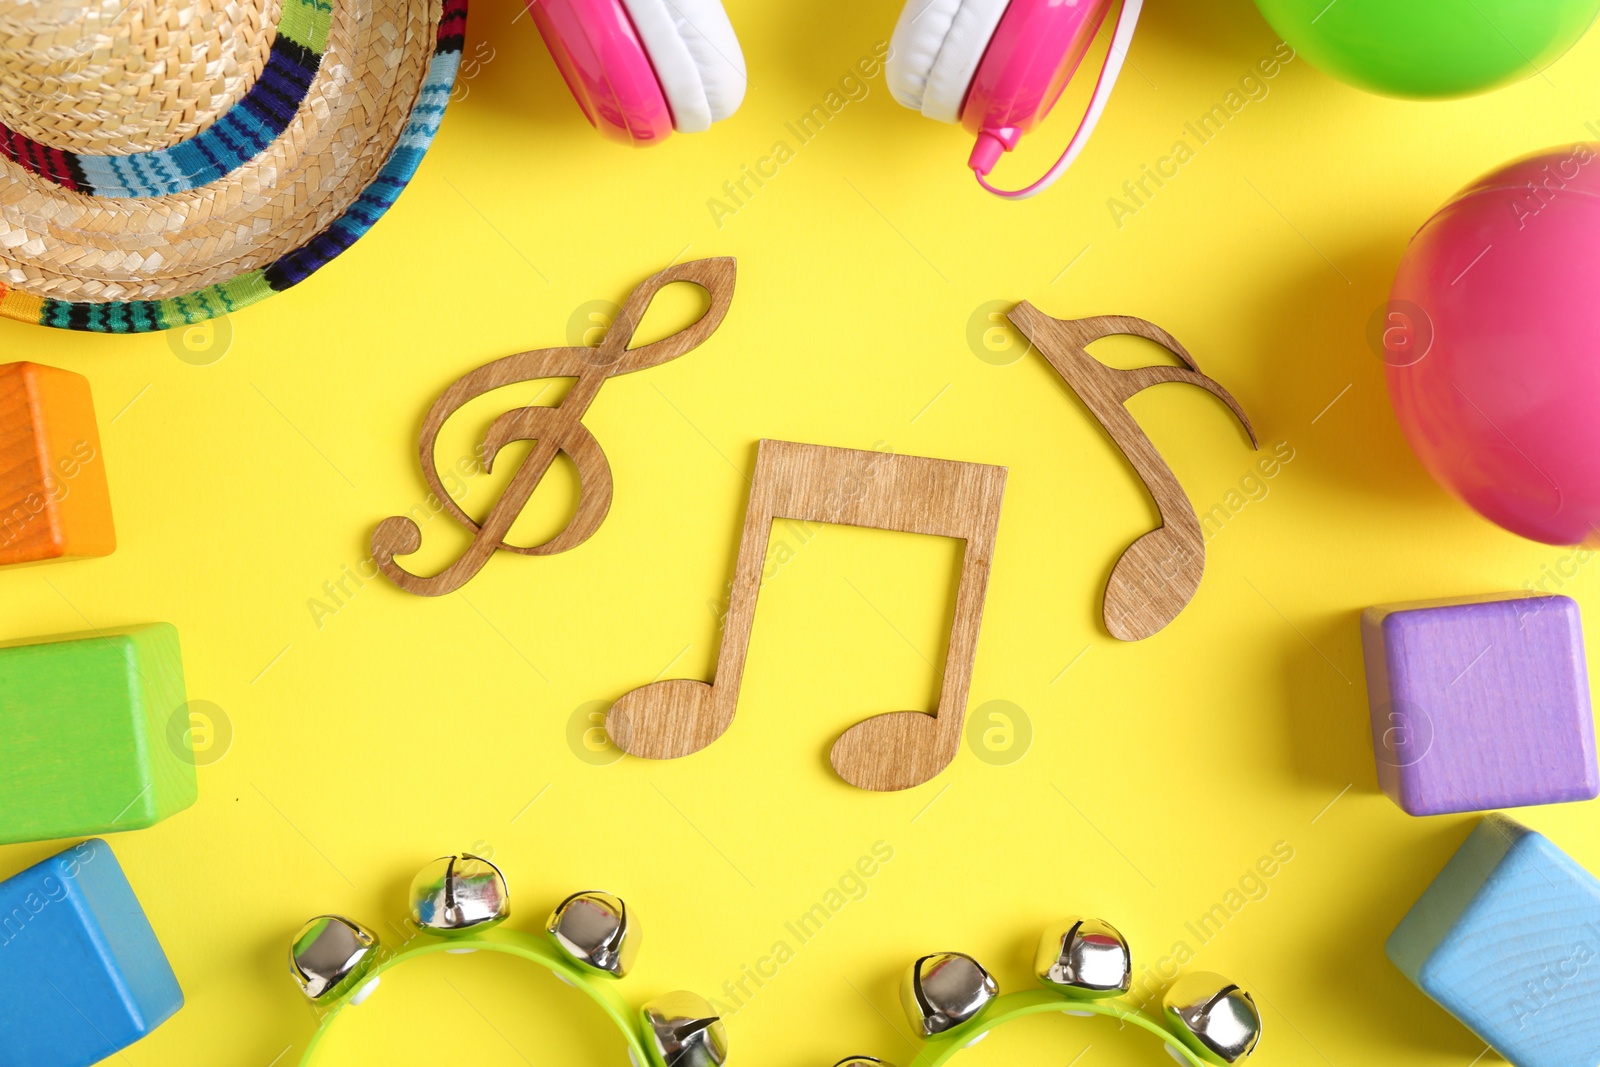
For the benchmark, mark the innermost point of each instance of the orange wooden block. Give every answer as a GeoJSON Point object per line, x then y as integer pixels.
{"type": "Point", "coordinates": [54, 503]}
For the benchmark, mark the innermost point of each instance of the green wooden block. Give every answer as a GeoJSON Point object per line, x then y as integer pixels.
{"type": "Point", "coordinates": [87, 737]}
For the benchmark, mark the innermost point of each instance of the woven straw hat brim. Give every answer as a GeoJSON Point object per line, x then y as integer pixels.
{"type": "Point", "coordinates": [272, 189]}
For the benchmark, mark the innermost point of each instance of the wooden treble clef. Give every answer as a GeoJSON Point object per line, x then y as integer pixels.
{"type": "Point", "coordinates": [553, 429]}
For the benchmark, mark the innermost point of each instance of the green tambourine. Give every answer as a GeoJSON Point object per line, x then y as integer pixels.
{"type": "Point", "coordinates": [1086, 969]}
{"type": "Point", "coordinates": [457, 902]}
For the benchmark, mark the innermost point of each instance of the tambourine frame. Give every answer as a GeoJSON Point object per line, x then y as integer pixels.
{"type": "Point", "coordinates": [939, 1049]}
{"type": "Point", "coordinates": [507, 942]}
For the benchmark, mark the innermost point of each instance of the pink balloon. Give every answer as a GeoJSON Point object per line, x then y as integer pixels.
{"type": "Point", "coordinates": [1492, 340]}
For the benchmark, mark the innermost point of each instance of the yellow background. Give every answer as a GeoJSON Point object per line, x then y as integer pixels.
{"type": "Point", "coordinates": [1158, 774]}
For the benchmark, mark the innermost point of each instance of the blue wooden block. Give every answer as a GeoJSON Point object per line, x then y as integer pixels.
{"type": "Point", "coordinates": [81, 973]}
{"type": "Point", "coordinates": [1507, 939]}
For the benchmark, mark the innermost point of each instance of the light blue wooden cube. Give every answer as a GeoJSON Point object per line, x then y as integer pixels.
{"type": "Point", "coordinates": [81, 973]}
{"type": "Point", "coordinates": [1507, 939]}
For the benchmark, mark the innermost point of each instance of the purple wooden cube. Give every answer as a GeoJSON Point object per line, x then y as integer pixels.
{"type": "Point", "coordinates": [1480, 702]}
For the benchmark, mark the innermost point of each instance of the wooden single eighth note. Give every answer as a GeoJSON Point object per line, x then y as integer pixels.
{"type": "Point", "coordinates": [814, 483]}
{"type": "Point", "coordinates": [1158, 574]}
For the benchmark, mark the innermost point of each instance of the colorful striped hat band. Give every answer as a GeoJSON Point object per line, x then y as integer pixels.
{"type": "Point", "coordinates": [166, 161]}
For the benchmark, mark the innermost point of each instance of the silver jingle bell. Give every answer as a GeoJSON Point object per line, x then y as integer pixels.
{"type": "Point", "coordinates": [944, 990]}
{"type": "Point", "coordinates": [1084, 958]}
{"type": "Point", "coordinates": [457, 894]}
{"type": "Point", "coordinates": [330, 954]}
{"type": "Point", "coordinates": [684, 1031]}
{"type": "Point", "coordinates": [597, 931]}
{"type": "Point", "coordinates": [1213, 1016]}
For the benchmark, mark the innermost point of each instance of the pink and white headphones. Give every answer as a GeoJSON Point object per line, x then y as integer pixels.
{"type": "Point", "coordinates": [643, 68]}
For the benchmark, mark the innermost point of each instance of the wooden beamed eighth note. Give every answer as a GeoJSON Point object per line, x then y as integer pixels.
{"type": "Point", "coordinates": [912, 494]}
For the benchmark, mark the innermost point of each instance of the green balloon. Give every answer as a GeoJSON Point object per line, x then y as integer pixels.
{"type": "Point", "coordinates": [1430, 48]}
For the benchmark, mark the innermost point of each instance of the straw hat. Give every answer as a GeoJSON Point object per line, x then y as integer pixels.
{"type": "Point", "coordinates": [164, 161]}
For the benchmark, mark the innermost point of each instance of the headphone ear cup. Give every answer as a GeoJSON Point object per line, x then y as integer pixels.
{"type": "Point", "coordinates": [935, 51]}
{"type": "Point", "coordinates": [600, 55]}
{"type": "Point", "coordinates": [696, 57]}
{"type": "Point", "coordinates": [1032, 54]}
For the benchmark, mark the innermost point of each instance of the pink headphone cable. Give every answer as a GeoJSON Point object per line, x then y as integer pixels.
{"type": "Point", "coordinates": [993, 143]}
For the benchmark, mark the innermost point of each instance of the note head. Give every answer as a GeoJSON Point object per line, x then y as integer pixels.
{"type": "Point", "coordinates": [666, 720]}
{"type": "Point", "coordinates": [893, 751]}
{"type": "Point", "coordinates": [1152, 582]}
